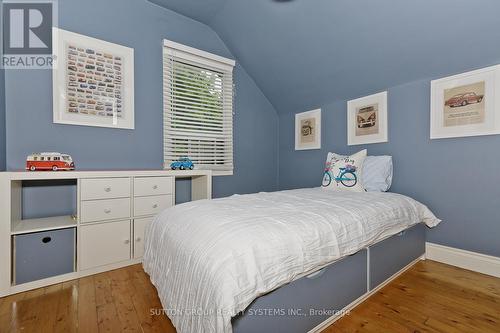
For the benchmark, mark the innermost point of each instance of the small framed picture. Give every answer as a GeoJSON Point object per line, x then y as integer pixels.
{"type": "Point", "coordinates": [93, 82]}
{"type": "Point", "coordinates": [466, 104]}
{"type": "Point", "coordinates": [367, 119]}
{"type": "Point", "coordinates": [308, 130]}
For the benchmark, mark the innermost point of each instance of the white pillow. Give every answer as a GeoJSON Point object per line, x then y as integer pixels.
{"type": "Point", "coordinates": [377, 173]}
{"type": "Point", "coordinates": [344, 173]}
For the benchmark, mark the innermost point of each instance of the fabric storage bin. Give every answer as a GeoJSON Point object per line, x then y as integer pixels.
{"type": "Point", "coordinates": [44, 254]}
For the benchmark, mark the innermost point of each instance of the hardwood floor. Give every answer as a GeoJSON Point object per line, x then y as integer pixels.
{"type": "Point", "coordinates": [115, 301]}
{"type": "Point", "coordinates": [430, 297]}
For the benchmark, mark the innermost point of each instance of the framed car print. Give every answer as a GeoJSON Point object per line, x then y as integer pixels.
{"type": "Point", "coordinates": [93, 82]}
{"type": "Point", "coordinates": [367, 119]}
{"type": "Point", "coordinates": [308, 130]}
{"type": "Point", "coordinates": [466, 104]}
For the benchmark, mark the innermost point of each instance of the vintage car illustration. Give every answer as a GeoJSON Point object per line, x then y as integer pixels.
{"type": "Point", "coordinates": [464, 99]}
{"type": "Point", "coordinates": [367, 117]}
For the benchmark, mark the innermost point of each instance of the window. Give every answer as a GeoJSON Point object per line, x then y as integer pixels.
{"type": "Point", "coordinates": [198, 108]}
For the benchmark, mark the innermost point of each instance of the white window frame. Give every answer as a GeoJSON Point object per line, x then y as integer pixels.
{"type": "Point", "coordinates": [202, 58]}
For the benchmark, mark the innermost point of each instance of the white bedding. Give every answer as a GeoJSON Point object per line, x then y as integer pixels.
{"type": "Point", "coordinates": [210, 259]}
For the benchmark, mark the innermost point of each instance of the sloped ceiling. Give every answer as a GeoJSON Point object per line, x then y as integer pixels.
{"type": "Point", "coordinates": [306, 53]}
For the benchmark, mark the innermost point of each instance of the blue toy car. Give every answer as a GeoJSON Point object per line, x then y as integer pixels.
{"type": "Point", "coordinates": [182, 163]}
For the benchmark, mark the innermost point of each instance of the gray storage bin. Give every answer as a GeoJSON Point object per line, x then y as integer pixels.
{"type": "Point", "coordinates": [44, 254]}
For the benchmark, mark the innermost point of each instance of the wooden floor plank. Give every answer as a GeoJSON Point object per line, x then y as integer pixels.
{"type": "Point", "coordinates": [87, 308]}
{"type": "Point", "coordinates": [430, 297]}
{"type": "Point", "coordinates": [48, 308]}
{"type": "Point", "coordinates": [122, 297]}
{"type": "Point", "coordinates": [67, 308]}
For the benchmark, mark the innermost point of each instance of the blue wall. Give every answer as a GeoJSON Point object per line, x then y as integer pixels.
{"type": "Point", "coordinates": [142, 26]}
{"type": "Point", "coordinates": [456, 178]}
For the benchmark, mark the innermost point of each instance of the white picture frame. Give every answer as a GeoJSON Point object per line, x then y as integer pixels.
{"type": "Point", "coordinates": [308, 130]}
{"type": "Point", "coordinates": [367, 119]}
{"type": "Point", "coordinates": [466, 104]}
{"type": "Point", "coordinates": [93, 81]}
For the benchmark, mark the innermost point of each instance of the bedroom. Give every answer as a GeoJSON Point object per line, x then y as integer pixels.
{"type": "Point", "coordinates": [290, 82]}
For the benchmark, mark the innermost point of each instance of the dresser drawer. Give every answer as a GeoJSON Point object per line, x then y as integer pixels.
{"type": "Point", "coordinates": [144, 186]}
{"type": "Point", "coordinates": [151, 205]}
{"type": "Point", "coordinates": [99, 210]}
{"type": "Point", "coordinates": [105, 188]}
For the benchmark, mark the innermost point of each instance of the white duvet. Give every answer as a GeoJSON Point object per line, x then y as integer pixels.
{"type": "Point", "coordinates": [210, 259]}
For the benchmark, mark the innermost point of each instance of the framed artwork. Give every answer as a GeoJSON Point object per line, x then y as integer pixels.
{"type": "Point", "coordinates": [308, 130]}
{"type": "Point", "coordinates": [93, 82]}
{"type": "Point", "coordinates": [466, 104]}
{"type": "Point", "coordinates": [367, 119]}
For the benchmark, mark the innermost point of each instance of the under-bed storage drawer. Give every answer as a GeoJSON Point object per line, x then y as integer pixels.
{"type": "Point", "coordinates": [303, 304]}
{"type": "Point", "coordinates": [393, 254]}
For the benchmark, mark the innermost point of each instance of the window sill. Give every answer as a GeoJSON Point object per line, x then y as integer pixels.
{"type": "Point", "coordinates": [222, 173]}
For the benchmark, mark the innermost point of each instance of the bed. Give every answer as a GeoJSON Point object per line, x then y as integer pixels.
{"type": "Point", "coordinates": [214, 261]}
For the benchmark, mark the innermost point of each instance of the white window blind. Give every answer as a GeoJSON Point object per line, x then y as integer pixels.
{"type": "Point", "coordinates": [198, 108]}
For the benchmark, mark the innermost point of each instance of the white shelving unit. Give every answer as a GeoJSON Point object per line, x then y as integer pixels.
{"type": "Point", "coordinates": [43, 224]}
{"type": "Point", "coordinates": [139, 195]}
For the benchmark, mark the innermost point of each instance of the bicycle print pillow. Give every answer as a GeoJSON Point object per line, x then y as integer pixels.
{"type": "Point", "coordinates": [343, 173]}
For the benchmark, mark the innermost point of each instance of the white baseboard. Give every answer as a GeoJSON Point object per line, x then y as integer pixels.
{"type": "Point", "coordinates": [473, 261]}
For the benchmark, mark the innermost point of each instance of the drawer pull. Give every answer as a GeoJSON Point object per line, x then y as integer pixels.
{"type": "Point", "coordinates": [46, 240]}
{"type": "Point", "coordinates": [155, 187]}
{"type": "Point", "coordinates": [107, 210]}
{"type": "Point", "coordinates": [155, 206]}
{"type": "Point", "coordinates": [107, 189]}
{"type": "Point", "coordinates": [138, 239]}
{"type": "Point", "coordinates": [127, 241]}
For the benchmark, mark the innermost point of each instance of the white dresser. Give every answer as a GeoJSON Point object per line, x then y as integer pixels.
{"type": "Point", "coordinates": [113, 209]}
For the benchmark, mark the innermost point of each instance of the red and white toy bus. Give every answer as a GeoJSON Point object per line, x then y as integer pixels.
{"type": "Point", "coordinates": [49, 161]}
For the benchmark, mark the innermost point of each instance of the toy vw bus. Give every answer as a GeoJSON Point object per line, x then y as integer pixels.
{"type": "Point", "coordinates": [49, 161]}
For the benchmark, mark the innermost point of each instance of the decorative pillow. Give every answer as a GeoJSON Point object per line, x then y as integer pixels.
{"type": "Point", "coordinates": [377, 173]}
{"type": "Point", "coordinates": [344, 173]}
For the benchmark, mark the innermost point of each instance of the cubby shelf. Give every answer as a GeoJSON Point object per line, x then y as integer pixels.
{"type": "Point", "coordinates": [42, 224]}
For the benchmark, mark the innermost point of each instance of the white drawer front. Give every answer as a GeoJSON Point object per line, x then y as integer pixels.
{"type": "Point", "coordinates": [102, 244]}
{"type": "Point", "coordinates": [139, 227]}
{"type": "Point", "coordinates": [151, 205]}
{"type": "Point", "coordinates": [99, 210]}
{"type": "Point", "coordinates": [152, 186]}
{"type": "Point", "coordinates": [105, 188]}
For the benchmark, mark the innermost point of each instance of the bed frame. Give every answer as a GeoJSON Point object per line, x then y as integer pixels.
{"type": "Point", "coordinates": [313, 302]}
